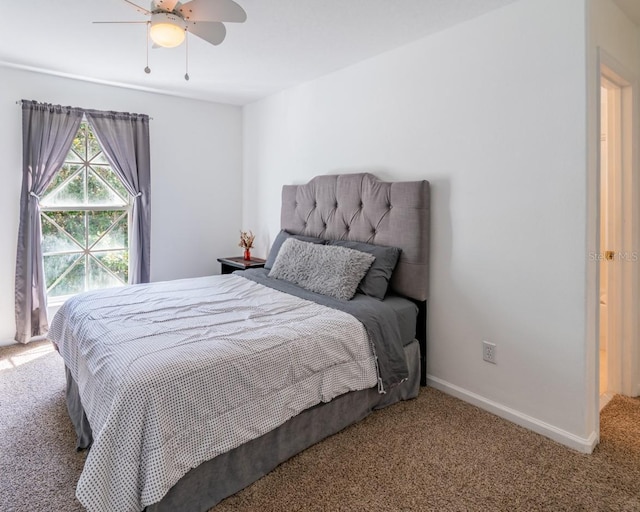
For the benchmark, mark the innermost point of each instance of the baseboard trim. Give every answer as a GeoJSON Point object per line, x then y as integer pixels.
{"type": "Point", "coordinates": [580, 444]}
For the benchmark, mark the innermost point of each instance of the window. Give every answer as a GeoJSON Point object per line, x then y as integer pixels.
{"type": "Point", "coordinates": [85, 222]}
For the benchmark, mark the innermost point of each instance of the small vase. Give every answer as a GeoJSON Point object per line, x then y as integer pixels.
{"type": "Point", "coordinates": [247, 254]}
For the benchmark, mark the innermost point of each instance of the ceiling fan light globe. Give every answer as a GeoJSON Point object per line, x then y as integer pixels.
{"type": "Point", "coordinates": [167, 35]}
{"type": "Point", "coordinates": [167, 30]}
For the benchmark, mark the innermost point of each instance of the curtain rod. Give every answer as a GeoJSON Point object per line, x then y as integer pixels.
{"type": "Point", "coordinates": [19, 102]}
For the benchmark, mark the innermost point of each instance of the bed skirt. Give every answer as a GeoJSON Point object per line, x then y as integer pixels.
{"type": "Point", "coordinates": [211, 482]}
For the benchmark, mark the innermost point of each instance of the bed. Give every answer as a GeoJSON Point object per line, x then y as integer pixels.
{"type": "Point", "coordinates": [141, 360]}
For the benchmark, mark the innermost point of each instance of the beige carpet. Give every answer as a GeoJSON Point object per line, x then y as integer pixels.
{"type": "Point", "coordinates": [434, 453]}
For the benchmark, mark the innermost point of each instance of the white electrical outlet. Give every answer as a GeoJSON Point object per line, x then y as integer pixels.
{"type": "Point", "coordinates": [489, 351]}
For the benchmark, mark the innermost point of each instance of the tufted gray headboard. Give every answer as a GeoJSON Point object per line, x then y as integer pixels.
{"type": "Point", "coordinates": [360, 207]}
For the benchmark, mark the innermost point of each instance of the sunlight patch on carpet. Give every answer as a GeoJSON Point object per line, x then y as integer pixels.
{"type": "Point", "coordinates": [15, 360]}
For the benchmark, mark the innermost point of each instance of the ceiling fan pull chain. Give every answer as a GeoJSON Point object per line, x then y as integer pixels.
{"type": "Point", "coordinates": [186, 46]}
{"type": "Point", "coordinates": [147, 69]}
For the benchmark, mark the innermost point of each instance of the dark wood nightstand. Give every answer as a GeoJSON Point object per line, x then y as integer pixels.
{"type": "Point", "coordinates": [228, 265]}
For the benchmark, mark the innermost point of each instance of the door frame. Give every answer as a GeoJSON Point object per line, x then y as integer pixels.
{"type": "Point", "coordinates": [624, 350]}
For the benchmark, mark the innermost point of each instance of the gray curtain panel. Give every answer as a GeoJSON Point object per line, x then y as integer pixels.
{"type": "Point", "coordinates": [47, 134]}
{"type": "Point", "coordinates": [125, 141]}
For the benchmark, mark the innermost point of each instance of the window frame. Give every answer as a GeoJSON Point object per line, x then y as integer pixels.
{"type": "Point", "coordinates": [84, 248]}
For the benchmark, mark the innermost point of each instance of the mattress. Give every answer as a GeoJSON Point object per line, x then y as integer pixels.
{"type": "Point", "coordinates": [407, 315]}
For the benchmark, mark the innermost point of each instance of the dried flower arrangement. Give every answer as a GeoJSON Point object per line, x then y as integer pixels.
{"type": "Point", "coordinates": [246, 239]}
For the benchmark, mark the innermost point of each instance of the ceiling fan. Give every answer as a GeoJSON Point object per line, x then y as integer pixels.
{"type": "Point", "coordinates": [169, 21]}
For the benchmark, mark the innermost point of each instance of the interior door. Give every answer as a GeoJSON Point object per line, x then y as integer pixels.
{"type": "Point", "coordinates": [610, 353]}
{"type": "Point", "coordinates": [619, 230]}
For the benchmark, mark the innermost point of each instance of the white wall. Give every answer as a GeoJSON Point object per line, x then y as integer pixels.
{"type": "Point", "coordinates": [492, 113]}
{"type": "Point", "coordinates": [196, 174]}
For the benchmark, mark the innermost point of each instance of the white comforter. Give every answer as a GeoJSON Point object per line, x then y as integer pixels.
{"type": "Point", "coordinates": [172, 374]}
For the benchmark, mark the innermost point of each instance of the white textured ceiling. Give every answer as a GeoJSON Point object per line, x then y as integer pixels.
{"type": "Point", "coordinates": [282, 43]}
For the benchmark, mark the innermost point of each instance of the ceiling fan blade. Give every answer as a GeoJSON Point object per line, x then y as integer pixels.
{"type": "Point", "coordinates": [212, 32]}
{"type": "Point", "coordinates": [213, 10]}
{"type": "Point", "coordinates": [141, 10]}
{"type": "Point", "coordinates": [165, 5]}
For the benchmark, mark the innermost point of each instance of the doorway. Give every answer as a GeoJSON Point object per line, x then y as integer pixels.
{"type": "Point", "coordinates": [609, 201]}
{"type": "Point", "coordinates": [618, 256]}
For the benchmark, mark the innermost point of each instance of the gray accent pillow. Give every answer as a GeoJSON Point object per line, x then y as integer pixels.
{"type": "Point", "coordinates": [277, 243]}
{"type": "Point", "coordinates": [326, 269]}
{"type": "Point", "coordinates": [376, 282]}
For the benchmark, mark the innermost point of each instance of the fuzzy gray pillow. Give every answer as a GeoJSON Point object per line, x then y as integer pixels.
{"type": "Point", "coordinates": [327, 269]}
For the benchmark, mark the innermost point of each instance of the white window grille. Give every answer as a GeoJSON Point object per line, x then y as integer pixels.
{"type": "Point", "coordinates": [85, 222]}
